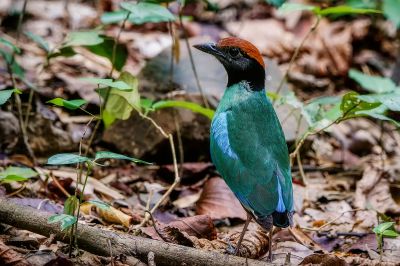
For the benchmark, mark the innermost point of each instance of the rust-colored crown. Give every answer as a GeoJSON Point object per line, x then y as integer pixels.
{"type": "Point", "coordinates": [245, 46]}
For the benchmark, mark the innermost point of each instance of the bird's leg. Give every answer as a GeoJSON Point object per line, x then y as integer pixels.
{"type": "Point", "coordinates": [270, 243]}
{"type": "Point", "coordinates": [239, 243]}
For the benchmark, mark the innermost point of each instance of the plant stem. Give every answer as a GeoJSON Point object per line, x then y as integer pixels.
{"type": "Point", "coordinates": [20, 118]}
{"type": "Point", "coordinates": [20, 19]}
{"type": "Point", "coordinates": [103, 105]}
{"type": "Point", "coordinates": [89, 167]}
{"type": "Point", "coordinates": [192, 61]}
{"type": "Point", "coordinates": [295, 54]}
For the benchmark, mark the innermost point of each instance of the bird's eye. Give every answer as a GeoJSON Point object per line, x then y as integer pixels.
{"type": "Point", "coordinates": [234, 52]}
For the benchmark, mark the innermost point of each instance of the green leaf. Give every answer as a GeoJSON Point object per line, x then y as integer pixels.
{"type": "Point", "coordinates": [10, 45]}
{"type": "Point", "coordinates": [5, 95]}
{"type": "Point", "coordinates": [147, 12]}
{"type": "Point", "coordinates": [120, 103]}
{"type": "Point", "coordinates": [362, 3]}
{"type": "Point", "coordinates": [70, 205]}
{"type": "Point", "coordinates": [187, 105]}
{"type": "Point", "coordinates": [290, 7]}
{"type": "Point", "coordinates": [10, 59]}
{"type": "Point", "coordinates": [111, 155]}
{"type": "Point", "coordinates": [351, 106]}
{"type": "Point", "coordinates": [82, 38]}
{"type": "Point", "coordinates": [378, 113]}
{"type": "Point", "coordinates": [390, 233]}
{"type": "Point", "coordinates": [63, 51]}
{"type": "Point", "coordinates": [66, 158]}
{"type": "Point", "coordinates": [16, 174]}
{"type": "Point", "coordinates": [118, 84]}
{"type": "Point", "coordinates": [113, 17]}
{"type": "Point", "coordinates": [345, 10]}
{"type": "Point", "coordinates": [380, 228]}
{"type": "Point", "coordinates": [69, 104]}
{"type": "Point", "coordinates": [372, 83]}
{"type": "Point", "coordinates": [146, 104]}
{"type": "Point", "coordinates": [391, 9]}
{"type": "Point", "coordinates": [105, 49]}
{"type": "Point", "coordinates": [390, 100]}
{"type": "Point", "coordinates": [66, 220]}
{"type": "Point", "coordinates": [100, 204]}
{"type": "Point", "coordinates": [39, 40]}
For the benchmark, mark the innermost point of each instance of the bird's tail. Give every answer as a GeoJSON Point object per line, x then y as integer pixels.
{"type": "Point", "coordinates": [279, 219]}
{"type": "Point", "coordinates": [282, 219]}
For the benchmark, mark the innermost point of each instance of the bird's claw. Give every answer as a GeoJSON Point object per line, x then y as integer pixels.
{"type": "Point", "coordinates": [230, 249]}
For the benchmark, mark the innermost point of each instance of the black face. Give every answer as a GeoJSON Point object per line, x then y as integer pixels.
{"type": "Point", "coordinates": [237, 64]}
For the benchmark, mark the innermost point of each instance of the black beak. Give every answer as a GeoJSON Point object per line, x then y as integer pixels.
{"type": "Point", "coordinates": [209, 48]}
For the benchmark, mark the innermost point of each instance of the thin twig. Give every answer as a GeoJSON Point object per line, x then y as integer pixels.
{"type": "Point", "coordinates": [60, 187]}
{"type": "Point", "coordinates": [192, 61]}
{"type": "Point", "coordinates": [295, 54]}
{"type": "Point", "coordinates": [171, 68]}
{"type": "Point", "coordinates": [28, 108]}
{"type": "Point", "coordinates": [20, 19]}
{"type": "Point", "coordinates": [23, 186]}
{"type": "Point", "coordinates": [308, 133]}
{"type": "Point", "coordinates": [180, 143]}
{"type": "Point", "coordinates": [155, 227]}
{"type": "Point", "coordinates": [177, 178]}
{"type": "Point", "coordinates": [20, 118]}
{"type": "Point", "coordinates": [332, 221]}
{"type": "Point", "coordinates": [302, 174]}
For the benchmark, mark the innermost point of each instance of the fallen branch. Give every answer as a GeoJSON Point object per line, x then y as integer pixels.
{"type": "Point", "coordinates": [95, 240]}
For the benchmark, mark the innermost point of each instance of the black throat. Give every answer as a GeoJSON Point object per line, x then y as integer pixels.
{"type": "Point", "coordinates": [254, 75]}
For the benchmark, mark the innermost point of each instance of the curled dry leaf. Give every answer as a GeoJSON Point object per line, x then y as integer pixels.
{"type": "Point", "coordinates": [219, 202]}
{"type": "Point", "coordinates": [110, 215]}
{"type": "Point", "coordinates": [200, 226]}
{"type": "Point", "coordinates": [254, 245]}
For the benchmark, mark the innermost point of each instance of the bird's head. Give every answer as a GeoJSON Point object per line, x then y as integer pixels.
{"type": "Point", "coordinates": [241, 59]}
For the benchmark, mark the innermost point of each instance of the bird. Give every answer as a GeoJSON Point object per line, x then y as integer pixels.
{"type": "Point", "coordinates": [247, 143]}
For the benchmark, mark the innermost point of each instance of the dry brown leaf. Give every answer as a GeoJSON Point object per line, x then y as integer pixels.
{"type": "Point", "coordinates": [373, 189]}
{"type": "Point", "coordinates": [304, 239]}
{"type": "Point", "coordinates": [254, 245]}
{"type": "Point", "coordinates": [269, 35]}
{"type": "Point", "coordinates": [200, 226]}
{"type": "Point", "coordinates": [97, 185]}
{"type": "Point", "coordinates": [327, 52]}
{"type": "Point", "coordinates": [8, 256]}
{"type": "Point", "coordinates": [219, 202]}
{"type": "Point", "coordinates": [297, 252]}
{"type": "Point", "coordinates": [110, 215]}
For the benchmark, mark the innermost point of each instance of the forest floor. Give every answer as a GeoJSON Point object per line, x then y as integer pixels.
{"type": "Point", "coordinates": [346, 175]}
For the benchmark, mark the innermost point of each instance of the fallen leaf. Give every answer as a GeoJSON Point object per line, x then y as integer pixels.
{"type": "Point", "coordinates": [8, 256]}
{"type": "Point", "coordinates": [254, 244]}
{"type": "Point", "coordinates": [200, 226]}
{"type": "Point", "coordinates": [219, 202]}
{"type": "Point", "coordinates": [110, 215]}
{"type": "Point", "coordinates": [373, 189]}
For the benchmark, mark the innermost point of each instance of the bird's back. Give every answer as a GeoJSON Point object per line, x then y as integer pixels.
{"type": "Point", "coordinates": [249, 150]}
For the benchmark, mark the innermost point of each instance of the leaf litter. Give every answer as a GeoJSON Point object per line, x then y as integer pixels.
{"type": "Point", "coordinates": [351, 172]}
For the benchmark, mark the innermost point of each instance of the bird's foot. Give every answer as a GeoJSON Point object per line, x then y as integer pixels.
{"type": "Point", "coordinates": [230, 249]}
